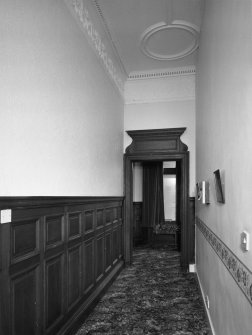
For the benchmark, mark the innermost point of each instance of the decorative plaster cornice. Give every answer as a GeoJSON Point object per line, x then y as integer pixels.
{"type": "Point", "coordinates": [81, 13]}
{"type": "Point", "coordinates": [183, 71]}
{"type": "Point", "coordinates": [97, 6]}
{"type": "Point", "coordinates": [240, 273]}
{"type": "Point", "coordinates": [171, 88]}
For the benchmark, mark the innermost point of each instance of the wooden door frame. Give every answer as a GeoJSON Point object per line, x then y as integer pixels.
{"type": "Point", "coordinates": [156, 145]}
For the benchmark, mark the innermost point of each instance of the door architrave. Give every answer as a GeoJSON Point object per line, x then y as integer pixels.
{"type": "Point", "coordinates": [156, 145]}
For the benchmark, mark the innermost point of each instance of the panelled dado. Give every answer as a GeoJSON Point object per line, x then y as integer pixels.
{"type": "Point", "coordinates": [57, 255]}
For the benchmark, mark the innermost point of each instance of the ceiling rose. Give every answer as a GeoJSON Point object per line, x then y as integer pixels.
{"type": "Point", "coordinates": [169, 42]}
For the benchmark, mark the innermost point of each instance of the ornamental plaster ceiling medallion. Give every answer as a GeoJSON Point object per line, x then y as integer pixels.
{"type": "Point", "coordinates": [169, 41]}
{"type": "Point", "coordinates": [152, 38]}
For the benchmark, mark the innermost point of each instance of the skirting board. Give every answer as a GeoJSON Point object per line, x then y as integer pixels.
{"type": "Point", "coordinates": [206, 309]}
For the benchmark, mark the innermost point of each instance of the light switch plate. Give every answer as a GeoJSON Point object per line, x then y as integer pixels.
{"type": "Point", "coordinates": [245, 241]}
{"type": "Point", "coordinates": [5, 216]}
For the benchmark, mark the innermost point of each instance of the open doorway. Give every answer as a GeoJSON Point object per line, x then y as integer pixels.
{"type": "Point", "coordinates": [158, 145]}
{"type": "Point", "coordinates": [156, 204]}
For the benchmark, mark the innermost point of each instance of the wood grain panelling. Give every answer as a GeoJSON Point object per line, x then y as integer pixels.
{"type": "Point", "coordinates": [54, 290]}
{"type": "Point", "coordinates": [74, 225]}
{"type": "Point", "coordinates": [108, 215]}
{"type": "Point", "coordinates": [89, 221]}
{"type": "Point", "coordinates": [74, 275]}
{"type": "Point", "coordinates": [89, 265]}
{"type": "Point", "coordinates": [100, 257]}
{"type": "Point", "coordinates": [57, 256]}
{"type": "Point", "coordinates": [24, 298]}
{"type": "Point", "coordinates": [54, 230]}
{"type": "Point", "coordinates": [100, 221]}
{"type": "Point", "coordinates": [107, 251]}
{"type": "Point", "coordinates": [115, 245]}
{"type": "Point", "coordinates": [24, 239]}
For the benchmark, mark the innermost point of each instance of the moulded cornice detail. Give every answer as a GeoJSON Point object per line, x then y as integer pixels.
{"type": "Point", "coordinates": [182, 71]}
{"type": "Point", "coordinates": [97, 6]}
{"type": "Point", "coordinates": [83, 17]}
{"type": "Point", "coordinates": [171, 88]}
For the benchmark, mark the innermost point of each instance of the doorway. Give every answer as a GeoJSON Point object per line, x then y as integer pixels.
{"type": "Point", "coordinates": [156, 204]}
{"type": "Point", "coordinates": [157, 145]}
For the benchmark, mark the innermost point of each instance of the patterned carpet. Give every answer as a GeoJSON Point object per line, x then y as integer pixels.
{"type": "Point", "coordinates": [150, 297]}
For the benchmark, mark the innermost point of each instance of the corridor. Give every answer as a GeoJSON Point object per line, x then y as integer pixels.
{"type": "Point", "coordinates": [152, 296]}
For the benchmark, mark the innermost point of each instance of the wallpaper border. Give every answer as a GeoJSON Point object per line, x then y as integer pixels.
{"type": "Point", "coordinates": [240, 273]}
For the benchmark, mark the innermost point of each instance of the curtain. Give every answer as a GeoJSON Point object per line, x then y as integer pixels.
{"type": "Point", "coordinates": [153, 195]}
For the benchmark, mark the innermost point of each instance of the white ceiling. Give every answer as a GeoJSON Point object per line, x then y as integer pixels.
{"type": "Point", "coordinates": [153, 35]}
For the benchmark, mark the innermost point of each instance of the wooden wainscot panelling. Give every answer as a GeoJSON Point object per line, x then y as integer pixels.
{"type": "Point", "coordinates": [89, 263]}
{"type": "Point", "coordinates": [115, 249]}
{"type": "Point", "coordinates": [54, 231]}
{"type": "Point", "coordinates": [99, 256]}
{"type": "Point", "coordinates": [74, 225]}
{"type": "Point", "coordinates": [89, 221]}
{"type": "Point", "coordinates": [54, 271]}
{"type": "Point", "coordinates": [99, 219]}
{"type": "Point", "coordinates": [57, 256]}
{"type": "Point", "coordinates": [24, 240]}
{"type": "Point", "coordinates": [109, 220]}
{"type": "Point", "coordinates": [24, 296]}
{"type": "Point", "coordinates": [74, 275]}
{"type": "Point", "coordinates": [108, 244]}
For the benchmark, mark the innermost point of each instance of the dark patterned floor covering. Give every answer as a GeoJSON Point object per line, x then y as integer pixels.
{"type": "Point", "coordinates": [152, 296]}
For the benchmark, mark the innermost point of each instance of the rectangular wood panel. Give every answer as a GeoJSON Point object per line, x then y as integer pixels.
{"type": "Point", "coordinates": [24, 239]}
{"type": "Point", "coordinates": [89, 221]}
{"type": "Point", "coordinates": [120, 240]}
{"type": "Point", "coordinates": [99, 216]}
{"type": "Point", "coordinates": [74, 275]}
{"type": "Point", "coordinates": [24, 298]}
{"type": "Point", "coordinates": [109, 218]}
{"type": "Point", "coordinates": [107, 251]}
{"type": "Point", "coordinates": [54, 290]}
{"type": "Point", "coordinates": [74, 225]}
{"type": "Point", "coordinates": [88, 265]}
{"type": "Point", "coordinates": [99, 257]}
{"type": "Point", "coordinates": [54, 230]}
{"type": "Point", "coordinates": [115, 250]}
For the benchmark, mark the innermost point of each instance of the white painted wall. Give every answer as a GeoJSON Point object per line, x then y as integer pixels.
{"type": "Point", "coordinates": [137, 182]}
{"type": "Point", "coordinates": [224, 141]}
{"type": "Point", "coordinates": [170, 108]}
{"type": "Point", "coordinates": [61, 118]}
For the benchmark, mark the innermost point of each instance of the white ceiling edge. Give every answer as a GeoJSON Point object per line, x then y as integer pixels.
{"type": "Point", "coordinates": [171, 88]}
{"type": "Point", "coordinates": [178, 71]}
{"type": "Point", "coordinates": [85, 14]}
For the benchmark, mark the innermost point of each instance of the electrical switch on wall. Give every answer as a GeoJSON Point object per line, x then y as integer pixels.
{"type": "Point", "coordinates": [245, 241]}
{"type": "Point", "coordinates": [5, 216]}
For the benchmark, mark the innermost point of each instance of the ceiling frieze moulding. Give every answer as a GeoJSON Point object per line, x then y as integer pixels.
{"type": "Point", "coordinates": [172, 88]}
{"type": "Point", "coordinates": [96, 4]}
{"type": "Point", "coordinates": [81, 11]}
{"type": "Point", "coordinates": [183, 71]}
